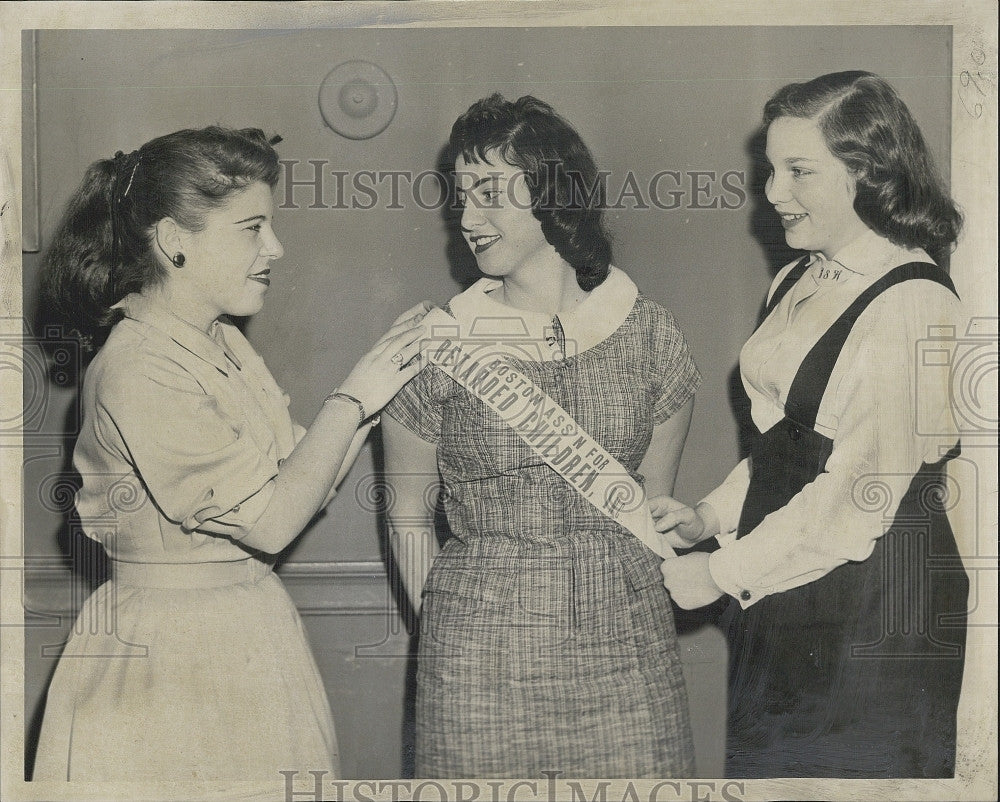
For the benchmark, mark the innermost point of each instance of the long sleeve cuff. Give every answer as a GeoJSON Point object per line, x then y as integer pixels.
{"type": "Point", "coordinates": [727, 499]}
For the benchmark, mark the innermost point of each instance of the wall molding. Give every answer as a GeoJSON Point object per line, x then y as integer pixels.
{"type": "Point", "coordinates": [361, 588]}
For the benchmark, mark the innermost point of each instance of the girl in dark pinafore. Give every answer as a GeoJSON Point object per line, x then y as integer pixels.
{"type": "Point", "coordinates": [847, 617]}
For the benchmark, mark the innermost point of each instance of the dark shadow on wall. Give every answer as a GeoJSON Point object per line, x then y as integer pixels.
{"type": "Point", "coordinates": [461, 262]}
{"type": "Point", "coordinates": [765, 228]}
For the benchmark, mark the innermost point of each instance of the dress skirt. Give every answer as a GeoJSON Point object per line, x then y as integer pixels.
{"type": "Point", "coordinates": [557, 659]}
{"type": "Point", "coordinates": [187, 672]}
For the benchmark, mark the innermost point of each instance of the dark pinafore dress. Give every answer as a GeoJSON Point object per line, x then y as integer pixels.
{"type": "Point", "coordinates": [858, 673]}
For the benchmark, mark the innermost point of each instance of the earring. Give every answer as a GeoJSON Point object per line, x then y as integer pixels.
{"type": "Point", "coordinates": [178, 259]}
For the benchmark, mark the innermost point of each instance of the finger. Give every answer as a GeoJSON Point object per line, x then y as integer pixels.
{"type": "Point", "coordinates": [675, 541]}
{"type": "Point", "coordinates": [408, 320]}
{"type": "Point", "coordinates": [666, 522]}
{"type": "Point", "coordinates": [686, 602]}
{"type": "Point", "coordinates": [416, 328]}
{"type": "Point", "coordinates": [399, 353]}
{"type": "Point", "coordinates": [666, 549]}
{"type": "Point", "coordinates": [406, 372]}
{"type": "Point", "coordinates": [403, 356]}
{"type": "Point", "coordinates": [658, 506]}
{"type": "Point", "coordinates": [408, 337]}
{"type": "Point", "coordinates": [416, 311]}
{"type": "Point", "coordinates": [411, 369]}
{"type": "Point", "coordinates": [668, 504]}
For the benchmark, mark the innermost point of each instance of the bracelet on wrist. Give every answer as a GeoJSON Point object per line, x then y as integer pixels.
{"type": "Point", "coordinates": [336, 395]}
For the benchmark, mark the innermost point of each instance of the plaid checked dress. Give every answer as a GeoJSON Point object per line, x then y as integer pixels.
{"type": "Point", "coordinates": [547, 639]}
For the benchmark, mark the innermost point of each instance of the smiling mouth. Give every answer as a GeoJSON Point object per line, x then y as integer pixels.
{"type": "Point", "coordinates": [483, 241]}
{"type": "Point", "coordinates": [791, 219]}
{"type": "Point", "coordinates": [263, 277]}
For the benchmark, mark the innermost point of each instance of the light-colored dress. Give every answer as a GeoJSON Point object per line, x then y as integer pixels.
{"type": "Point", "coordinates": [191, 663]}
{"type": "Point", "coordinates": [547, 639]}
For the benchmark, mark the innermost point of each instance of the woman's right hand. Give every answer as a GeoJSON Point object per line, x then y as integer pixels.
{"type": "Point", "coordinates": [391, 363]}
{"type": "Point", "coordinates": [683, 525]}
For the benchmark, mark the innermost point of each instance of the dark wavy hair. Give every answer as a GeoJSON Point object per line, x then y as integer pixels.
{"type": "Point", "coordinates": [899, 192]}
{"type": "Point", "coordinates": [567, 192]}
{"type": "Point", "coordinates": [102, 249]}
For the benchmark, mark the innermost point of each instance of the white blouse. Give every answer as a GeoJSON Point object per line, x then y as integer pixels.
{"type": "Point", "coordinates": [886, 411]}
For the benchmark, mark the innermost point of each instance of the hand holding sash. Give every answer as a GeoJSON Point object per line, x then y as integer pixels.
{"type": "Point", "coordinates": [683, 526]}
{"type": "Point", "coordinates": [689, 581]}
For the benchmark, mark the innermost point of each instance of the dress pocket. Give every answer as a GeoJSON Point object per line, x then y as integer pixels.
{"type": "Point", "coordinates": [641, 570]}
{"type": "Point", "coordinates": [650, 611]}
{"type": "Point", "coordinates": [463, 605]}
{"type": "Point", "coordinates": [546, 601]}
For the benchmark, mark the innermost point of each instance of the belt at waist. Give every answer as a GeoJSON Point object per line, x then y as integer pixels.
{"type": "Point", "coordinates": [189, 575]}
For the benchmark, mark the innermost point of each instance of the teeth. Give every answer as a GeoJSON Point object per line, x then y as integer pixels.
{"type": "Point", "coordinates": [791, 217]}
{"type": "Point", "coordinates": [484, 237]}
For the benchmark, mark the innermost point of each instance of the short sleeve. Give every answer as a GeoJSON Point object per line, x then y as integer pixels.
{"type": "Point", "coordinates": [419, 405]}
{"type": "Point", "coordinates": [200, 465]}
{"type": "Point", "coordinates": [678, 374]}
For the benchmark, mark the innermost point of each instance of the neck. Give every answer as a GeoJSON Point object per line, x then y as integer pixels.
{"type": "Point", "coordinates": [849, 236]}
{"type": "Point", "coordinates": [174, 299]}
{"type": "Point", "coordinates": [550, 288]}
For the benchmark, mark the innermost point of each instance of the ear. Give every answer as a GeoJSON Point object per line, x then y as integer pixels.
{"type": "Point", "coordinates": [169, 237]}
{"type": "Point", "coordinates": [854, 175]}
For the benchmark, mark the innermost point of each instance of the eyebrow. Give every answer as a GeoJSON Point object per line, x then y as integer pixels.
{"type": "Point", "coordinates": [248, 219]}
{"type": "Point", "coordinates": [481, 181]}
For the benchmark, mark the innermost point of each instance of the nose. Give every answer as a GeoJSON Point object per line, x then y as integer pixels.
{"type": "Point", "coordinates": [272, 247]}
{"type": "Point", "coordinates": [775, 190]}
{"type": "Point", "coordinates": [472, 215]}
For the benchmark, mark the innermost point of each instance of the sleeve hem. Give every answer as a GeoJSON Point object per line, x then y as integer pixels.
{"type": "Point", "coordinates": [405, 421]}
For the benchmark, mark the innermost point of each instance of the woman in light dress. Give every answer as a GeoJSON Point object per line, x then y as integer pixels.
{"type": "Point", "coordinates": [191, 663]}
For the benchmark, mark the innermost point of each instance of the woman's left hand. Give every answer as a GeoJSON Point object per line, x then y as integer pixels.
{"type": "Point", "coordinates": [689, 581]}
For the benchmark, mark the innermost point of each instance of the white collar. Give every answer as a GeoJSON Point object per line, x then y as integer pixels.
{"type": "Point", "coordinates": [592, 321]}
{"type": "Point", "coordinates": [872, 254]}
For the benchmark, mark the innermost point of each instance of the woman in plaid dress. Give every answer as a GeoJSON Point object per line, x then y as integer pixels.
{"type": "Point", "coordinates": [547, 639]}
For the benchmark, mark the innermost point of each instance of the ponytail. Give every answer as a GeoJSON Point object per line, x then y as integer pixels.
{"type": "Point", "coordinates": [77, 267]}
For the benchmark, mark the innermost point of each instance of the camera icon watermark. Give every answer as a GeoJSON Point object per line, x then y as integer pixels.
{"type": "Point", "coordinates": [962, 368]}
{"type": "Point", "coordinates": [508, 336]}
{"type": "Point", "coordinates": [43, 362]}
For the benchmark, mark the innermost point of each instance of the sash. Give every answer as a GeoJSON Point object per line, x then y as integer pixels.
{"type": "Point", "coordinates": [482, 368]}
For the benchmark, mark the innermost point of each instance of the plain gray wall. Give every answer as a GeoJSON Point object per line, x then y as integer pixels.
{"type": "Point", "coordinates": [646, 100]}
